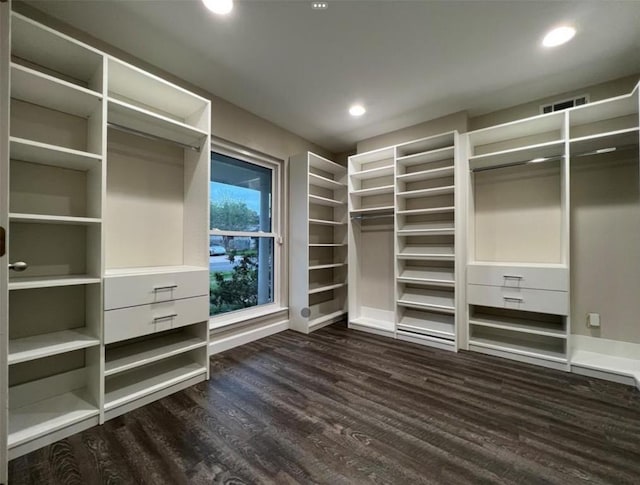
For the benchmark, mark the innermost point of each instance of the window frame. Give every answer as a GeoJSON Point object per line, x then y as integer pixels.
{"type": "Point", "coordinates": [277, 166]}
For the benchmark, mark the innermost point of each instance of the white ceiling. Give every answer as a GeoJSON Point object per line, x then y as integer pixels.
{"type": "Point", "coordinates": [407, 61]}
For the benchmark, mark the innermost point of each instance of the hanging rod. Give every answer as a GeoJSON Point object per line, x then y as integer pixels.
{"type": "Point", "coordinates": [371, 216]}
{"type": "Point", "coordinates": [149, 136]}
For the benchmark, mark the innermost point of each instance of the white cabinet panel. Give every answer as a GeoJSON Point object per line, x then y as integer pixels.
{"type": "Point", "coordinates": [541, 301]}
{"type": "Point", "coordinates": [541, 278]}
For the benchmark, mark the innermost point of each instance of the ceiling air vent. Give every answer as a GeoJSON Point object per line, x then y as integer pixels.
{"type": "Point", "coordinates": [564, 104]}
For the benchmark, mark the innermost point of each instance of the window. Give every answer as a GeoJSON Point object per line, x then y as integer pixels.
{"type": "Point", "coordinates": [244, 244]}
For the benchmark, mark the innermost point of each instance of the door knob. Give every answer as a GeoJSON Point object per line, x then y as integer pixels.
{"type": "Point", "coordinates": [18, 266]}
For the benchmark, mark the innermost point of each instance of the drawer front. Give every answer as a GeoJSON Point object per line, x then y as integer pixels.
{"type": "Point", "coordinates": [126, 323]}
{"type": "Point", "coordinates": [541, 301]}
{"type": "Point", "coordinates": [132, 290]}
{"type": "Point", "coordinates": [556, 279]}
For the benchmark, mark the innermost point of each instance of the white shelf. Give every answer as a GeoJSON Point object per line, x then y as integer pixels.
{"type": "Point", "coordinates": [430, 252]}
{"type": "Point", "coordinates": [127, 81]}
{"type": "Point", "coordinates": [430, 210]}
{"type": "Point", "coordinates": [372, 173]}
{"type": "Point", "coordinates": [607, 363]}
{"type": "Point", "coordinates": [153, 270]}
{"type": "Point", "coordinates": [325, 287]}
{"type": "Point", "coordinates": [512, 130]}
{"type": "Point", "coordinates": [43, 90]}
{"type": "Point", "coordinates": [48, 344]}
{"type": "Point", "coordinates": [51, 281]}
{"type": "Point", "coordinates": [325, 318]}
{"type": "Point", "coordinates": [514, 347]}
{"type": "Point", "coordinates": [604, 141]}
{"type": "Point", "coordinates": [438, 228]}
{"type": "Point", "coordinates": [437, 325]}
{"type": "Point", "coordinates": [426, 145]}
{"type": "Point", "coordinates": [321, 163]}
{"type": "Point", "coordinates": [130, 386]}
{"type": "Point", "coordinates": [386, 209]}
{"type": "Point", "coordinates": [41, 418]}
{"type": "Point", "coordinates": [322, 222]}
{"type": "Point", "coordinates": [326, 266]}
{"type": "Point", "coordinates": [518, 155]}
{"type": "Point", "coordinates": [327, 183]}
{"type": "Point", "coordinates": [522, 325]}
{"type": "Point", "coordinates": [383, 189]}
{"type": "Point", "coordinates": [412, 194]}
{"type": "Point", "coordinates": [427, 276]}
{"type": "Point", "coordinates": [426, 174]}
{"type": "Point", "coordinates": [56, 156]}
{"type": "Point", "coordinates": [606, 109]}
{"type": "Point", "coordinates": [428, 157]}
{"type": "Point", "coordinates": [373, 156]}
{"type": "Point", "coordinates": [315, 199]}
{"type": "Point", "coordinates": [326, 245]}
{"type": "Point", "coordinates": [131, 356]}
{"type": "Point", "coordinates": [145, 121]}
{"type": "Point", "coordinates": [387, 326]}
{"type": "Point", "coordinates": [442, 301]}
{"type": "Point", "coordinates": [48, 219]}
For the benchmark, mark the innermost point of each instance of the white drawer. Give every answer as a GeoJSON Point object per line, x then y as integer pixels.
{"type": "Point", "coordinates": [541, 301]}
{"type": "Point", "coordinates": [140, 289]}
{"type": "Point", "coordinates": [519, 277]}
{"type": "Point", "coordinates": [126, 323]}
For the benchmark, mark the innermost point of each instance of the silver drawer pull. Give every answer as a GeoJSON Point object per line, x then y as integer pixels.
{"type": "Point", "coordinates": [165, 317]}
{"type": "Point", "coordinates": [513, 299]}
{"type": "Point", "coordinates": [162, 288]}
{"type": "Point", "coordinates": [512, 277]}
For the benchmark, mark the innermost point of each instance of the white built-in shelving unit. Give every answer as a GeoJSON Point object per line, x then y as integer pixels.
{"type": "Point", "coordinates": [318, 242]}
{"type": "Point", "coordinates": [112, 309]}
{"type": "Point", "coordinates": [427, 240]}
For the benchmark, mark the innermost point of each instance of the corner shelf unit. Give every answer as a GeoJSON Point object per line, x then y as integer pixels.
{"type": "Point", "coordinates": [428, 240]}
{"type": "Point", "coordinates": [318, 242]}
{"type": "Point", "coordinates": [66, 183]}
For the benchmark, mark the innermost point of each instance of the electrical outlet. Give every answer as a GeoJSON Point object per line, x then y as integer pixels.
{"type": "Point", "coordinates": [593, 320]}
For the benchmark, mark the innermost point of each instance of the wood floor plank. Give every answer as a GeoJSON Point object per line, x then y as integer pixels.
{"type": "Point", "coordinates": [343, 407]}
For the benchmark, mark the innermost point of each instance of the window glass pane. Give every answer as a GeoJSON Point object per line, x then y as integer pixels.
{"type": "Point", "coordinates": [240, 195]}
{"type": "Point", "coordinates": [241, 272]}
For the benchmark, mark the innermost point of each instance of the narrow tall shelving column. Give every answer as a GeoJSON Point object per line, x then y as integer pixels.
{"type": "Point", "coordinates": [318, 245]}
{"type": "Point", "coordinates": [427, 253]}
{"type": "Point", "coordinates": [371, 223]}
{"type": "Point", "coordinates": [56, 223]}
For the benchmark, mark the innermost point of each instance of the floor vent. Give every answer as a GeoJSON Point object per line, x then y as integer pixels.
{"type": "Point", "coordinates": [564, 104]}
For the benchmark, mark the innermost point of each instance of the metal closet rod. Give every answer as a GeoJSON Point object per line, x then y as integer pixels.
{"type": "Point", "coordinates": [558, 157]}
{"type": "Point", "coordinates": [149, 136]}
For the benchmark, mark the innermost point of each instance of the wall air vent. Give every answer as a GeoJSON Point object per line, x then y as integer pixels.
{"type": "Point", "coordinates": [564, 104]}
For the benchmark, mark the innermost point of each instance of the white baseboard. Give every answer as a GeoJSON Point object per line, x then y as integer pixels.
{"type": "Point", "coordinates": [217, 345]}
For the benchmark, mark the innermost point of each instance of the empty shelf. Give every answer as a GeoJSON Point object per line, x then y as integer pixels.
{"type": "Point", "coordinates": [383, 189]}
{"type": "Point", "coordinates": [385, 325]}
{"type": "Point", "coordinates": [411, 194]}
{"type": "Point", "coordinates": [430, 210]}
{"type": "Point", "coordinates": [326, 245]}
{"type": "Point", "coordinates": [443, 301]}
{"type": "Point", "coordinates": [427, 157]}
{"type": "Point", "coordinates": [326, 266]}
{"type": "Point", "coordinates": [323, 222]}
{"type": "Point", "coordinates": [315, 199]}
{"type": "Point", "coordinates": [43, 90]}
{"type": "Point", "coordinates": [45, 154]}
{"type": "Point", "coordinates": [437, 325]}
{"type": "Point", "coordinates": [604, 110]}
{"type": "Point", "coordinates": [48, 219]}
{"type": "Point", "coordinates": [516, 346]}
{"type": "Point", "coordinates": [531, 154]}
{"type": "Point", "coordinates": [533, 327]}
{"type": "Point", "coordinates": [426, 174]}
{"type": "Point", "coordinates": [326, 165]}
{"type": "Point", "coordinates": [432, 253]}
{"type": "Point", "coordinates": [373, 172]}
{"type": "Point", "coordinates": [48, 344]}
{"type": "Point", "coordinates": [145, 121]}
{"type": "Point", "coordinates": [41, 418]}
{"type": "Point", "coordinates": [427, 228]}
{"type": "Point", "coordinates": [427, 276]}
{"type": "Point", "coordinates": [325, 318]}
{"type": "Point", "coordinates": [607, 363]}
{"type": "Point", "coordinates": [320, 288]}
{"type": "Point", "coordinates": [127, 357]}
{"type": "Point", "coordinates": [386, 209]}
{"type": "Point", "coordinates": [325, 182]}
{"type": "Point", "coordinates": [51, 281]}
{"type": "Point", "coordinates": [605, 142]}
{"type": "Point", "coordinates": [124, 388]}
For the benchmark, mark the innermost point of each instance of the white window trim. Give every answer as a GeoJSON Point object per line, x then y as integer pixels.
{"type": "Point", "coordinates": [238, 317]}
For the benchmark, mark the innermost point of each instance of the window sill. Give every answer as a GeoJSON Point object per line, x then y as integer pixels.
{"type": "Point", "coordinates": [243, 316]}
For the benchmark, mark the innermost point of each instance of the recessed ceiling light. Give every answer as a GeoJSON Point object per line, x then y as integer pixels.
{"type": "Point", "coordinates": [357, 110]}
{"type": "Point", "coordinates": [319, 5]}
{"type": "Point", "coordinates": [221, 7]}
{"type": "Point", "coordinates": [558, 36]}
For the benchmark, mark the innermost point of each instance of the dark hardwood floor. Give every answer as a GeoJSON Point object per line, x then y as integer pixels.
{"type": "Point", "coordinates": [343, 407]}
